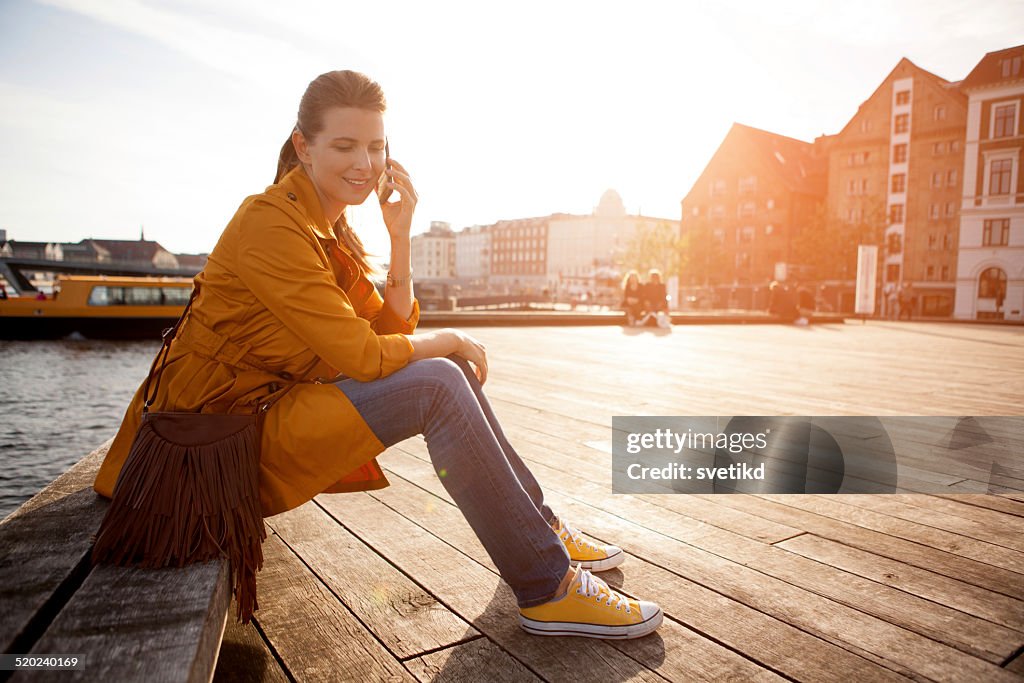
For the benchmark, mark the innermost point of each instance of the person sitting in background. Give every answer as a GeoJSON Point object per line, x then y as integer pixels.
{"type": "Point", "coordinates": [781, 302]}
{"type": "Point", "coordinates": [632, 297]}
{"type": "Point", "coordinates": [655, 300]}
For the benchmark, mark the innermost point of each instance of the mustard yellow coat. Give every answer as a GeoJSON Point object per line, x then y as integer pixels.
{"type": "Point", "coordinates": [281, 294]}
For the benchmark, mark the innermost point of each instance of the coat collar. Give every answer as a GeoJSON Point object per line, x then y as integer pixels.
{"type": "Point", "coordinates": [297, 187]}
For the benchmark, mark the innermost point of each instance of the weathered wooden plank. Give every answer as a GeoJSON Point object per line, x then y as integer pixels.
{"type": "Point", "coordinates": [971, 634]}
{"type": "Point", "coordinates": [44, 557]}
{"type": "Point", "coordinates": [470, 662]}
{"type": "Point", "coordinates": [141, 624]}
{"type": "Point", "coordinates": [941, 562]}
{"type": "Point", "coordinates": [912, 531]}
{"type": "Point", "coordinates": [313, 633]}
{"type": "Point", "coordinates": [707, 614]}
{"type": "Point", "coordinates": [1002, 530]}
{"type": "Point", "coordinates": [403, 616]}
{"type": "Point", "coordinates": [920, 582]}
{"type": "Point", "coordinates": [245, 656]}
{"type": "Point", "coordinates": [478, 595]}
{"type": "Point", "coordinates": [1016, 665]}
{"type": "Point", "coordinates": [991, 502]}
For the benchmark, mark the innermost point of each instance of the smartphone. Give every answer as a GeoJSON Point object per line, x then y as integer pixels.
{"type": "Point", "coordinates": [383, 191]}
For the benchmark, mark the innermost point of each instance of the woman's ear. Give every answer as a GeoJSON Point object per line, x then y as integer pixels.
{"type": "Point", "coordinates": [301, 149]}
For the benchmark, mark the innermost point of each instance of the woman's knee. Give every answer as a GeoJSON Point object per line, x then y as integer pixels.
{"type": "Point", "coordinates": [445, 373]}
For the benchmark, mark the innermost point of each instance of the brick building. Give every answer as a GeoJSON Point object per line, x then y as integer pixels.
{"type": "Point", "coordinates": [742, 216]}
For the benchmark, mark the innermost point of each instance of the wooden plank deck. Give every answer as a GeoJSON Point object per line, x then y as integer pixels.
{"type": "Point", "coordinates": [394, 584]}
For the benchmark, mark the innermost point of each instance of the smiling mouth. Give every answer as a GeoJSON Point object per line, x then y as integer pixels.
{"type": "Point", "coordinates": [357, 183]}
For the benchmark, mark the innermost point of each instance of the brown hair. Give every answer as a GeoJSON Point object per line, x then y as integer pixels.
{"type": "Point", "coordinates": [327, 91]}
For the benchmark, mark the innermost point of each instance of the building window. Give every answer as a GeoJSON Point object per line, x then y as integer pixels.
{"type": "Point", "coordinates": [748, 209]}
{"type": "Point", "coordinates": [896, 213]}
{"type": "Point", "coordinates": [865, 125]}
{"type": "Point", "coordinates": [933, 211]}
{"type": "Point", "coordinates": [1010, 66]}
{"type": "Point", "coordinates": [718, 211]}
{"type": "Point", "coordinates": [954, 146]}
{"type": "Point", "coordinates": [950, 209]}
{"type": "Point", "coordinates": [930, 273]}
{"type": "Point", "coordinates": [939, 112]}
{"type": "Point", "coordinates": [863, 185]}
{"type": "Point", "coordinates": [745, 235]}
{"type": "Point", "coordinates": [999, 177]}
{"type": "Point", "coordinates": [770, 204]}
{"type": "Point", "coordinates": [937, 179]}
{"type": "Point", "coordinates": [1004, 120]}
{"type": "Point", "coordinates": [742, 260]}
{"type": "Point", "coordinates": [903, 97]}
{"type": "Point", "coordinates": [851, 187]}
{"type": "Point", "coordinates": [996, 233]}
{"type": "Point", "coordinates": [951, 178]}
{"type": "Point", "coordinates": [718, 188]}
{"type": "Point", "coordinates": [719, 235]}
{"type": "Point", "coordinates": [768, 229]}
{"type": "Point", "coordinates": [853, 215]}
{"type": "Point", "coordinates": [938, 148]}
{"type": "Point", "coordinates": [902, 124]}
{"type": "Point", "coordinates": [899, 182]}
{"type": "Point", "coordinates": [899, 154]}
{"type": "Point", "coordinates": [947, 241]}
{"type": "Point", "coordinates": [933, 242]}
{"type": "Point", "coordinates": [945, 272]}
{"type": "Point", "coordinates": [894, 243]}
{"type": "Point", "coordinates": [748, 184]}
{"type": "Point", "coordinates": [892, 272]}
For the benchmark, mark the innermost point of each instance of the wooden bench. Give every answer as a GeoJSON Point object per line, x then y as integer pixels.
{"type": "Point", "coordinates": [128, 624]}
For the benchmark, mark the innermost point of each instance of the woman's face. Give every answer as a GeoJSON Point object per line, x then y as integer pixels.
{"type": "Point", "coordinates": [345, 158]}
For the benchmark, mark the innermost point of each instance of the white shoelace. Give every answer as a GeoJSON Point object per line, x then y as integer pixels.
{"type": "Point", "coordinates": [575, 535]}
{"type": "Point", "coordinates": [592, 586]}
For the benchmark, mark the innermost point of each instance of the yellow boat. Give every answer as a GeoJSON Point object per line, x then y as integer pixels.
{"type": "Point", "coordinates": [97, 307]}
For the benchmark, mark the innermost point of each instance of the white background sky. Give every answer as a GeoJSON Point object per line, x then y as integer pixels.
{"type": "Point", "coordinates": [121, 113]}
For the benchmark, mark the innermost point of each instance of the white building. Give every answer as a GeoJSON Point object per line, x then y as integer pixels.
{"type": "Point", "coordinates": [581, 247]}
{"type": "Point", "coordinates": [473, 255]}
{"type": "Point", "coordinates": [990, 265]}
{"type": "Point", "coordinates": [433, 253]}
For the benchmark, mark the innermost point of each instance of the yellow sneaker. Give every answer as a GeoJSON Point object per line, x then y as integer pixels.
{"type": "Point", "coordinates": [590, 608]}
{"type": "Point", "coordinates": [585, 552]}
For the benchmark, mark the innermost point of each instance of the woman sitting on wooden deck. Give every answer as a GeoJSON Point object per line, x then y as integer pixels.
{"type": "Point", "coordinates": [286, 293]}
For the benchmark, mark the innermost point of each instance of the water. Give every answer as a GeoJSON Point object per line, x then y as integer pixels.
{"type": "Point", "coordinates": [59, 400]}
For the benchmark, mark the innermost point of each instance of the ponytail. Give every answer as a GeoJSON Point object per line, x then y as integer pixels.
{"type": "Point", "coordinates": [286, 160]}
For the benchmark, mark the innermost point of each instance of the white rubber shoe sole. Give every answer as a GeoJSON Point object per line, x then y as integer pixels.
{"type": "Point", "coordinates": [652, 620]}
{"type": "Point", "coordinates": [614, 560]}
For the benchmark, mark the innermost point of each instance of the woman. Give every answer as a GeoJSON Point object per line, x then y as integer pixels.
{"type": "Point", "coordinates": [286, 292]}
{"type": "Point", "coordinates": [632, 297]}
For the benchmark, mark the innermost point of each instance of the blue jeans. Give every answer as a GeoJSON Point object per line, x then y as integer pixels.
{"type": "Point", "coordinates": [442, 399]}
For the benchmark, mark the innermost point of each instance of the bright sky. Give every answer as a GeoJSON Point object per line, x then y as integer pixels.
{"type": "Point", "coordinates": [121, 113]}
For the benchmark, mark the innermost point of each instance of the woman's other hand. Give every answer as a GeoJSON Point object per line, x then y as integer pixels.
{"type": "Point", "coordinates": [398, 215]}
{"type": "Point", "coordinates": [441, 343]}
{"type": "Point", "coordinates": [473, 351]}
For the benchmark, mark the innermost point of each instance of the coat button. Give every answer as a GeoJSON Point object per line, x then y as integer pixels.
{"type": "Point", "coordinates": [291, 196]}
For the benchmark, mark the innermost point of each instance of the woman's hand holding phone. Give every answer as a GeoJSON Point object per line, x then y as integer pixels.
{"type": "Point", "coordinates": [397, 215]}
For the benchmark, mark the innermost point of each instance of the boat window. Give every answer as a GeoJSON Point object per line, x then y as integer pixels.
{"type": "Point", "coordinates": [106, 296]}
{"type": "Point", "coordinates": [143, 296]}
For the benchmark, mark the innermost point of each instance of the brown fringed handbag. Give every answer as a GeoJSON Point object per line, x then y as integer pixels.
{"type": "Point", "coordinates": [189, 491]}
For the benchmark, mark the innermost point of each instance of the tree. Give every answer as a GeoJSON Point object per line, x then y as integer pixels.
{"type": "Point", "coordinates": [829, 243]}
{"type": "Point", "coordinates": [657, 246]}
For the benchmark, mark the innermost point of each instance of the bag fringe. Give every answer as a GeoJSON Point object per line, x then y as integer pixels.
{"type": "Point", "coordinates": [174, 505]}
